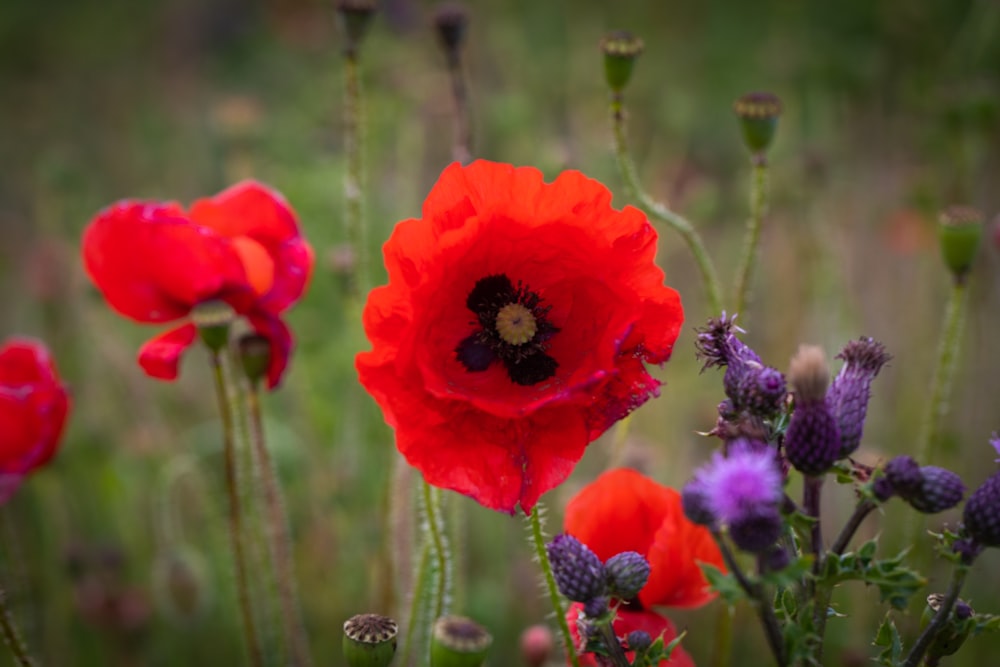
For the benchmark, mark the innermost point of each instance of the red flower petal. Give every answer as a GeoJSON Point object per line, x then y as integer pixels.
{"type": "Point", "coordinates": [603, 303]}
{"type": "Point", "coordinates": [251, 210]}
{"type": "Point", "coordinates": [280, 339]}
{"type": "Point", "coordinates": [623, 510]}
{"type": "Point", "coordinates": [153, 265]}
{"type": "Point", "coordinates": [161, 356]}
{"type": "Point", "coordinates": [33, 409]}
{"type": "Point", "coordinates": [626, 621]}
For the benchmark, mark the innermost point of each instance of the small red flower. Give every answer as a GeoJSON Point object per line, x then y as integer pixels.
{"type": "Point", "coordinates": [33, 408]}
{"type": "Point", "coordinates": [514, 328]}
{"type": "Point", "coordinates": [155, 262]}
{"type": "Point", "coordinates": [624, 511]}
{"type": "Point", "coordinates": [630, 620]}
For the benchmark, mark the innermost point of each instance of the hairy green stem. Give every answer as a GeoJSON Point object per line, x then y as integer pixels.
{"type": "Point", "coordinates": [758, 209]}
{"type": "Point", "coordinates": [416, 617]}
{"type": "Point", "coordinates": [940, 618]}
{"type": "Point", "coordinates": [11, 637]}
{"type": "Point", "coordinates": [660, 212]}
{"type": "Point", "coordinates": [279, 537]}
{"type": "Point", "coordinates": [538, 539]}
{"type": "Point", "coordinates": [439, 548]}
{"type": "Point", "coordinates": [236, 534]}
{"type": "Point", "coordinates": [756, 593]}
{"type": "Point", "coordinates": [944, 372]}
{"type": "Point", "coordinates": [354, 177]}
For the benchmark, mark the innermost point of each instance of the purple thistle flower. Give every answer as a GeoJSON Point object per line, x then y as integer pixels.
{"type": "Point", "coordinates": [762, 390]}
{"type": "Point", "coordinates": [756, 531]}
{"type": "Point", "coordinates": [578, 572]}
{"type": "Point", "coordinates": [739, 488]}
{"type": "Point", "coordinates": [719, 346]}
{"type": "Point", "coordinates": [851, 389]}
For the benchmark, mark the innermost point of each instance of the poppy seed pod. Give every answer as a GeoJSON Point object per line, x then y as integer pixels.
{"type": "Point", "coordinates": [960, 229]}
{"type": "Point", "coordinates": [457, 641]}
{"type": "Point", "coordinates": [758, 114]}
{"type": "Point", "coordinates": [369, 640]}
{"type": "Point", "coordinates": [620, 49]}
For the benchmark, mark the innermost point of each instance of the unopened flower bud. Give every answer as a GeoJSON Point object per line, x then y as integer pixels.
{"type": "Point", "coordinates": [882, 489]}
{"type": "Point", "coordinates": [627, 574]}
{"type": "Point", "coordinates": [982, 513]}
{"type": "Point", "coordinates": [775, 559]}
{"type": "Point", "coordinates": [812, 441]}
{"type": "Point", "coordinates": [578, 572]}
{"type": "Point", "coordinates": [537, 644]}
{"type": "Point", "coordinates": [596, 607]}
{"type": "Point", "coordinates": [762, 390]}
{"type": "Point", "coordinates": [851, 389]}
{"type": "Point", "coordinates": [955, 631]}
{"type": "Point", "coordinates": [369, 640]}
{"type": "Point", "coordinates": [255, 355]}
{"type": "Point", "coordinates": [904, 475]}
{"type": "Point", "coordinates": [212, 319]}
{"type": "Point", "coordinates": [354, 17]}
{"type": "Point", "coordinates": [638, 640]}
{"type": "Point", "coordinates": [756, 532]}
{"type": "Point", "coordinates": [459, 642]}
{"type": "Point", "coordinates": [620, 49]}
{"type": "Point", "coordinates": [696, 505]}
{"type": "Point", "coordinates": [758, 114]}
{"type": "Point", "coordinates": [451, 20]}
{"type": "Point", "coordinates": [940, 489]}
{"type": "Point", "coordinates": [960, 229]}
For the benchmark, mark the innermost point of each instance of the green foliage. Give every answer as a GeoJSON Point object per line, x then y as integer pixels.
{"type": "Point", "coordinates": [887, 638]}
{"type": "Point", "coordinates": [896, 582]}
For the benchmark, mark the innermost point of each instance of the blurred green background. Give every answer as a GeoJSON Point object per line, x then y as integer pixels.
{"type": "Point", "coordinates": [891, 113]}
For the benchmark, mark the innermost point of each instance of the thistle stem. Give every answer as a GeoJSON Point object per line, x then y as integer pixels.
{"type": "Point", "coordinates": [11, 637]}
{"type": "Point", "coordinates": [944, 372]}
{"type": "Point", "coordinates": [535, 523]}
{"type": "Point", "coordinates": [354, 177]}
{"type": "Point", "coordinates": [618, 658]}
{"type": "Point", "coordinates": [236, 535]}
{"type": "Point", "coordinates": [764, 609]}
{"type": "Point", "coordinates": [758, 209]}
{"type": "Point", "coordinates": [659, 211]}
{"type": "Point", "coordinates": [863, 509]}
{"type": "Point", "coordinates": [811, 492]}
{"type": "Point", "coordinates": [279, 536]}
{"type": "Point", "coordinates": [940, 618]}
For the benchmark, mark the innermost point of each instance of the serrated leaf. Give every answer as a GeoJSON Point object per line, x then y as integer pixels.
{"type": "Point", "coordinates": [887, 637]}
{"type": "Point", "coordinates": [986, 623]}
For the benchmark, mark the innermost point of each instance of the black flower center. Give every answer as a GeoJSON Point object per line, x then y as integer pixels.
{"type": "Point", "coordinates": [513, 329]}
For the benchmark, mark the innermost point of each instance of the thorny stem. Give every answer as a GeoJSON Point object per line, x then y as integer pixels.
{"type": "Point", "coordinates": [235, 514]}
{"type": "Point", "coordinates": [354, 178]}
{"type": "Point", "coordinates": [462, 148]}
{"type": "Point", "coordinates": [758, 209]}
{"type": "Point", "coordinates": [279, 537]}
{"type": "Point", "coordinates": [11, 637]}
{"type": "Point", "coordinates": [940, 618]}
{"type": "Point", "coordinates": [660, 212]}
{"type": "Point", "coordinates": [438, 551]}
{"type": "Point", "coordinates": [535, 523]}
{"type": "Point", "coordinates": [764, 609]}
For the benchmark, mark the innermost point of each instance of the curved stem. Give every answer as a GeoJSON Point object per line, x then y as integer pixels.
{"type": "Point", "coordinates": [944, 372]}
{"type": "Point", "coordinates": [863, 509]}
{"type": "Point", "coordinates": [764, 609]}
{"type": "Point", "coordinates": [940, 618]}
{"type": "Point", "coordinates": [758, 209]}
{"type": "Point", "coordinates": [11, 637]}
{"type": "Point", "coordinates": [535, 524]}
{"type": "Point", "coordinates": [236, 514]}
{"type": "Point", "coordinates": [660, 212]}
{"type": "Point", "coordinates": [279, 536]}
{"type": "Point", "coordinates": [354, 177]}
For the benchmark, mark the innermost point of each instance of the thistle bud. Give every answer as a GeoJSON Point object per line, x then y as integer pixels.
{"type": "Point", "coordinates": [627, 574]}
{"type": "Point", "coordinates": [939, 490]}
{"type": "Point", "coordinates": [851, 389]}
{"type": "Point", "coordinates": [762, 390]}
{"type": "Point", "coordinates": [982, 513]}
{"type": "Point", "coordinates": [960, 229]}
{"type": "Point", "coordinates": [904, 475]}
{"type": "Point", "coordinates": [459, 642]}
{"type": "Point", "coordinates": [255, 356]}
{"type": "Point", "coordinates": [578, 572]}
{"type": "Point", "coordinates": [369, 640]}
{"type": "Point", "coordinates": [638, 640]}
{"type": "Point", "coordinates": [756, 532]}
{"type": "Point", "coordinates": [758, 114]}
{"type": "Point", "coordinates": [955, 631]}
{"type": "Point", "coordinates": [697, 505]}
{"type": "Point", "coordinates": [212, 319]}
{"type": "Point", "coordinates": [354, 17]}
{"type": "Point", "coordinates": [620, 49]}
{"type": "Point", "coordinates": [812, 441]}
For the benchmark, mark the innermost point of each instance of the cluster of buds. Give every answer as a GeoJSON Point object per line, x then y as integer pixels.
{"type": "Point", "coordinates": [928, 489]}
{"type": "Point", "coordinates": [582, 577]}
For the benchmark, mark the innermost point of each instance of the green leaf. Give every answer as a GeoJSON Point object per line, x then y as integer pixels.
{"type": "Point", "coordinates": [888, 639]}
{"type": "Point", "coordinates": [724, 584]}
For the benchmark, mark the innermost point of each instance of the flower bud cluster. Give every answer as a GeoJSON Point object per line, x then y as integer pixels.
{"type": "Point", "coordinates": [928, 489]}
{"type": "Point", "coordinates": [581, 577]}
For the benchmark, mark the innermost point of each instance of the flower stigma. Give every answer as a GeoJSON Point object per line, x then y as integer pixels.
{"type": "Point", "coordinates": [515, 324]}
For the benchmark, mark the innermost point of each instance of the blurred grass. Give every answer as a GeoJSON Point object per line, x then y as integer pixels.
{"type": "Point", "coordinates": [891, 113]}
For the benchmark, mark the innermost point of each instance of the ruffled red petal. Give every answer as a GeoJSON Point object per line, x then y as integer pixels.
{"type": "Point", "coordinates": [252, 210]}
{"type": "Point", "coordinates": [593, 269]}
{"type": "Point", "coordinates": [160, 356]}
{"type": "Point", "coordinates": [280, 339]}
{"type": "Point", "coordinates": [626, 621]}
{"type": "Point", "coordinates": [154, 265]}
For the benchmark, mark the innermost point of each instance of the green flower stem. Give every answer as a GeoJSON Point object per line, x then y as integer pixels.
{"type": "Point", "coordinates": [811, 492]}
{"type": "Point", "coordinates": [764, 609]}
{"type": "Point", "coordinates": [535, 524]}
{"type": "Point", "coordinates": [723, 642]}
{"type": "Point", "coordinates": [660, 212]}
{"type": "Point", "coordinates": [758, 209]}
{"type": "Point", "coordinates": [944, 372]}
{"type": "Point", "coordinates": [278, 536]}
{"type": "Point", "coordinates": [940, 618]}
{"type": "Point", "coordinates": [354, 178]}
{"type": "Point", "coordinates": [11, 637]}
{"type": "Point", "coordinates": [439, 549]}
{"type": "Point", "coordinates": [236, 534]}
{"type": "Point", "coordinates": [416, 601]}
{"type": "Point", "coordinates": [864, 508]}
{"type": "Point", "coordinates": [614, 646]}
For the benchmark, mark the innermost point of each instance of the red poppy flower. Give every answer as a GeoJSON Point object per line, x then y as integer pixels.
{"type": "Point", "coordinates": [514, 328]}
{"type": "Point", "coordinates": [154, 263]}
{"type": "Point", "coordinates": [33, 408]}
{"type": "Point", "coordinates": [630, 620]}
{"type": "Point", "coordinates": [624, 511]}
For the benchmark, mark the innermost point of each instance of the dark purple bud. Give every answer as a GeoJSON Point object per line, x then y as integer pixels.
{"type": "Point", "coordinates": [595, 607]}
{"type": "Point", "coordinates": [851, 389]}
{"type": "Point", "coordinates": [882, 489]}
{"type": "Point", "coordinates": [757, 531]}
{"type": "Point", "coordinates": [696, 505]}
{"type": "Point", "coordinates": [579, 573]}
{"type": "Point", "coordinates": [812, 441]}
{"type": "Point", "coordinates": [627, 574]}
{"type": "Point", "coordinates": [904, 475]}
{"type": "Point", "coordinates": [775, 559]}
{"type": "Point", "coordinates": [982, 512]}
{"type": "Point", "coordinates": [762, 390]}
{"type": "Point", "coordinates": [940, 490]}
{"type": "Point", "coordinates": [963, 610]}
{"type": "Point", "coordinates": [638, 640]}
